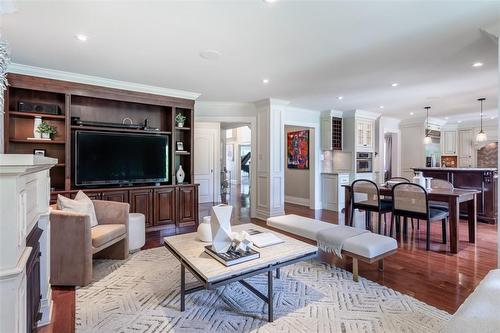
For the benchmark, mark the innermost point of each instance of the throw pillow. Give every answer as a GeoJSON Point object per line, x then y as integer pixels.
{"type": "Point", "coordinates": [81, 204]}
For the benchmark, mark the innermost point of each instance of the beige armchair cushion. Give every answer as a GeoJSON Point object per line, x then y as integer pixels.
{"type": "Point", "coordinates": [101, 234]}
{"type": "Point", "coordinates": [81, 204]}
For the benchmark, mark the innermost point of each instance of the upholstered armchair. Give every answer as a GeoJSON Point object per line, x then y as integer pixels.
{"type": "Point", "coordinates": [73, 242]}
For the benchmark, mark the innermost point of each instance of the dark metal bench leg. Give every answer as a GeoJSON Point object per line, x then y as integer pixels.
{"type": "Point", "coordinates": [270, 296]}
{"type": "Point", "coordinates": [278, 274]}
{"type": "Point", "coordinates": [183, 288]}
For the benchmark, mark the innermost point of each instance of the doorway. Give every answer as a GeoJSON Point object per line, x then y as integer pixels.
{"type": "Point", "coordinates": [236, 160]}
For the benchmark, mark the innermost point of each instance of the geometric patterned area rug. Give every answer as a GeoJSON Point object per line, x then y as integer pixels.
{"type": "Point", "coordinates": [141, 294]}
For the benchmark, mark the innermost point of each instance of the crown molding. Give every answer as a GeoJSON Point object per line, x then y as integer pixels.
{"type": "Point", "coordinates": [361, 113]}
{"type": "Point", "coordinates": [99, 81]}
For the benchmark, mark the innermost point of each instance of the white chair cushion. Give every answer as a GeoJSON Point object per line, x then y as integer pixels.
{"type": "Point", "coordinates": [370, 245]}
{"type": "Point", "coordinates": [299, 225]}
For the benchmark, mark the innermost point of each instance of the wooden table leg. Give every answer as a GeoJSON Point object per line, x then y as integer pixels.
{"type": "Point", "coordinates": [472, 218]}
{"type": "Point", "coordinates": [453, 223]}
{"type": "Point", "coordinates": [347, 208]}
{"type": "Point", "coordinates": [355, 273]}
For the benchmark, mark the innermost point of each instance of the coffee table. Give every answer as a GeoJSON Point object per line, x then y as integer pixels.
{"type": "Point", "coordinates": [211, 274]}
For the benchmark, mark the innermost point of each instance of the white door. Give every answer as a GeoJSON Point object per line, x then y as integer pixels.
{"type": "Point", "coordinates": [204, 147]}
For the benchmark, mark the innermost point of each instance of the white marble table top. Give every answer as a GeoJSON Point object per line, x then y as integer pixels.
{"type": "Point", "coordinates": [192, 251]}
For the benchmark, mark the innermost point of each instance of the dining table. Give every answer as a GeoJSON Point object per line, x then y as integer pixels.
{"type": "Point", "coordinates": [453, 197]}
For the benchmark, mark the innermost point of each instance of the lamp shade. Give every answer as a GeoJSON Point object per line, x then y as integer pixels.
{"type": "Point", "coordinates": [481, 137]}
{"type": "Point", "coordinates": [427, 140]}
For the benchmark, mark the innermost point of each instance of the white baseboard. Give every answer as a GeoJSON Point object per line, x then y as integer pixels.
{"type": "Point", "coordinates": [297, 200]}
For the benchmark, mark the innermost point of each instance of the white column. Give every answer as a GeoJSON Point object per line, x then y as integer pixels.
{"type": "Point", "coordinates": [270, 164]}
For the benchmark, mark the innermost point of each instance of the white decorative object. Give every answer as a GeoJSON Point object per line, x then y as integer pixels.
{"type": "Point", "coordinates": [220, 222]}
{"type": "Point", "coordinates": [24, 203]}
{"type": "Point", "coordinates": [36, 123]}
{"type": "Point", "coordinates": [419, 178]}
{"type": "Point", "coordinates": [46, 136]}
{"type": "Point", "coordinates": [180, 175]}
{"type": "Point", "coordinates": [241, 241]}
{"type": "Point", "coordinates": [136, 231]}
{"type": "Point", "coordinates": [180, 124]}
{"type": "Point", "coordinates": [205, 230]}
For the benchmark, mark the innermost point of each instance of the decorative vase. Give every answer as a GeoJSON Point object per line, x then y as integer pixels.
{"type": "Point", "coordinates": [205, 230]}
{"type": "Point", "coordinates": [180, 124]}
{"type": "Point", "coordinates": [180, 175]}
{"type": "Point", "coordinates": [37, 122]}
{"type": "Point", "coordinates": [46, 136]}
{"type": "Point", "coordinates": [220, 222]}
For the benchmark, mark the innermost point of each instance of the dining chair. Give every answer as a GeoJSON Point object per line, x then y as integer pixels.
{"type": "Point", "coordinates": [411, 200]}
{"type": "Point", "coordinates": [365, 196]}
{"type": "Point", "coordinates": [440, 184]}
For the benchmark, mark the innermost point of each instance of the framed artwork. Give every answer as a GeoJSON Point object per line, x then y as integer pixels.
{"type": "Point", "coordinates": [298, 149]}
{"type": "Point", "coordinates": [179, 145]}
{"type": "Point", "coordinates": [230, 152]}
{"type": "Point", "coordinates": [39, 152]}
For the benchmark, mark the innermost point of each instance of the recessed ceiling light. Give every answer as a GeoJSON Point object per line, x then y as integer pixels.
{"type": "Point", "coordinates": [81, 37]}
{"type": "Point", "coordinates": [492, 117]}
{"type": "Point", "coordinates": [446, 118]}
{"type": "Point", "coordinates": [412, 113]}
{"type": "Point", "coordinates": [340, 98]}
{"type": "Point", "coordinates": [459, 121]}
{"type": "Point", "coordinates": [381, 107]}
{"type": "Point", "coordinates": [477, 64]}
{"type": "Point", "coordinates": [265, 81]}
{"type": "Point", "coordinates": [210, 54]}
{"type": "Point", "coordinates": [270, 1]}
{"type": "Point", "coordinates": [395, 84]}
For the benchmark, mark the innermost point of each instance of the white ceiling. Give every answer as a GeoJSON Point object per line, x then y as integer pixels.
{"type": "Point", "coordinates": [311, 51]}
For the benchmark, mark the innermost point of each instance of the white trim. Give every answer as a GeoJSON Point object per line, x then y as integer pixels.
{"type": "Point", "coordinates": [297, 200]}
{"type": "Point", "coordinates": [99, 81]}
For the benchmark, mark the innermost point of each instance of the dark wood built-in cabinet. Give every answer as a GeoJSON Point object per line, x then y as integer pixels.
{"type": "Point", "coordinates": [164, 205]}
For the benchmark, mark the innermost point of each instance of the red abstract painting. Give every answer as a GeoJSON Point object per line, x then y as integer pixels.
{"type": "Point", "coordinates": [298, 150]}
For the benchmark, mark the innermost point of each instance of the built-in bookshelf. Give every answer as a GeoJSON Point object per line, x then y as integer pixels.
{"type": "Point", "coordinates": [101, 104]}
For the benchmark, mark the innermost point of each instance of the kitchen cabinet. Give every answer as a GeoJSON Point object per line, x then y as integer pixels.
{"type": "Point", "coordinates": [332, 190]}
{"type": "Point", "coordinates": [331, 133]}
{"type": "Point", "coordinates": [465, 148]}
{"type": "Point", "coordinates": [365, 134]}
{"type": "Point", "coordinates": [449, 142]}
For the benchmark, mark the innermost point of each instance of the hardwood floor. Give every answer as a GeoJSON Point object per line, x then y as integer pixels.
{"type": "Point", "coordinates": [435, 277]}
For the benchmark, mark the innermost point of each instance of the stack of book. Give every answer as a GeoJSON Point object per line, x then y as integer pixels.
{"type": "Point", "coordinates": [230, 257]}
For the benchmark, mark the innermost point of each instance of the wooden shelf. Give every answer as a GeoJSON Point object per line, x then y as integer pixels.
{"type": "Point", "coordinates": [182, 153]}
{"type": "Point", "coordinates": [183, 128]}
{"type": "Point", "coordinates": [48, 142]}
{"type": "Point", "coordinates": [32, 115]}
{"type": "Point", "coordinates": [123, 130]}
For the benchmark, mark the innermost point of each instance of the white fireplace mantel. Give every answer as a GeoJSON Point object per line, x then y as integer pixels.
{"type": "Point", "coordinates": [24, 202]}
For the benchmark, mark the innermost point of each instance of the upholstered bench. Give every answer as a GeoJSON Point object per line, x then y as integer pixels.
{"type": "Point", "coordinates": [368, 247]}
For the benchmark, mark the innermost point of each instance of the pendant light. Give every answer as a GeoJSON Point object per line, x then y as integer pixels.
{"type": "Point", "coordinates": [481, 136]}
{"type": "Point", "coordinates": [427, 139]}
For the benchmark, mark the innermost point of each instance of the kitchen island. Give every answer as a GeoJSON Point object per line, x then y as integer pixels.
{"type": "Point", "coordinates": [481, 179]}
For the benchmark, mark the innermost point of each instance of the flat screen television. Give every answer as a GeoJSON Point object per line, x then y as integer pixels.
{"type": "Point", "coordinates": [103, 158]}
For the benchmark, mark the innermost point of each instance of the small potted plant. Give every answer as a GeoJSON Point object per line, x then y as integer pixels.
{"type": "Point", "coordinates": [46, 130]}
{"type": "Point", "coordinates": [180, 119]}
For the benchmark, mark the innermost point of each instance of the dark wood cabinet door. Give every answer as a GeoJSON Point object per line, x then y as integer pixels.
{"type": "Point", "coordinates": [164, 206]}
{"type": "Point", "coordinates": [187, 205]}
{"type": "Point", "coordinates": [119, 196]}
{"type": "Point", "coordinates": [141, 201]}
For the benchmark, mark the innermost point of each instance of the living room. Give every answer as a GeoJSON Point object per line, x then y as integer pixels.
{"type": "Point", "coordinates": [261, 165]}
